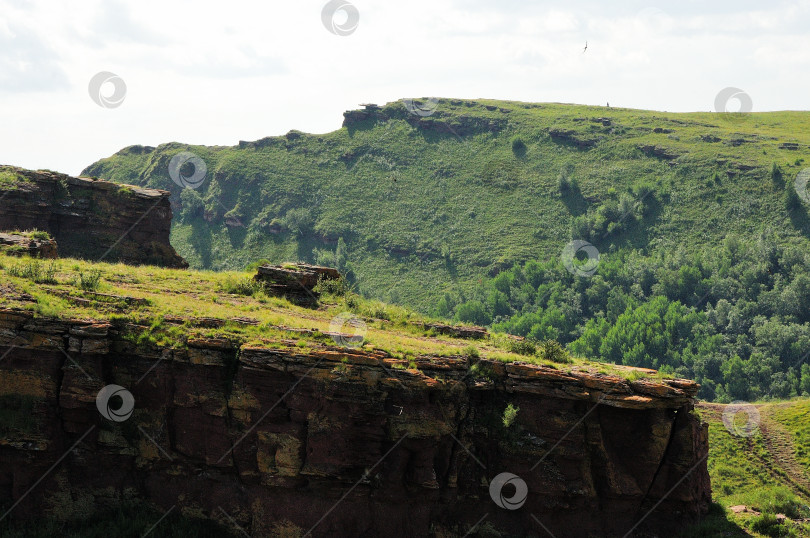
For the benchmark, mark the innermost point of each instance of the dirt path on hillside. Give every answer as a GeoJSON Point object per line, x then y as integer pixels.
{"type": "Point", "coordinates": [780, 445]}
{"type": "Point", "coordinates": [783, 467]}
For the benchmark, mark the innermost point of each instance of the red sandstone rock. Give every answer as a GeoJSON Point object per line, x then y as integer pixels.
{"type": "Point", "coordinates": [295, 435]}
{"type": "Point", "coordinates": [92, 218]}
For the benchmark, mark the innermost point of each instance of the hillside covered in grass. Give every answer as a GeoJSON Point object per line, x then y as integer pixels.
{"type": "Point", "coordinates": [414, 206]}
{"type": "Point", "coordinates": [764, 476]}
{"type": "Point", "coordinates": [465, 212]}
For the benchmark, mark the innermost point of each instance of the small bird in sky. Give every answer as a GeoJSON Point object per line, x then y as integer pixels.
{"type": "Point", "coordinates": [586, 48]}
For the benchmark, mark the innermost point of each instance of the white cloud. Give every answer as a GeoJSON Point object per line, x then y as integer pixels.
{"type": "Point", "coordinates": [214, 73]}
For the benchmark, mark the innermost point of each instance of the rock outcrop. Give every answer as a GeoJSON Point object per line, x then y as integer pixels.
{"type": "Point", "coordinates": [337, 441]}
{"type": "Point", "coordinates": [16, 244]}
{"type": "Point", "coordinates": [91, 218]}
{"type": "Point", "coordinates": [295, 281]}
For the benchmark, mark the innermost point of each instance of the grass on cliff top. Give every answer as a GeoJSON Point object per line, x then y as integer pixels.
{"type": "Point", "coordinates": [147, 295]}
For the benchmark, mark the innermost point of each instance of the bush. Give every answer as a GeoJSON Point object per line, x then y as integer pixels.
{"type": "Point", "coordinates": [337, 287]}
{"type": "Point", "coordinates": [241, 285]}
{"type": "Point", "coordinates": [471, 352]}
{"type": "Point", "coordinates": [300, 220]}
{"type": "Point", "coordinates": [519, 147]}
{"type": "Point", "coordinates": [90, 280]}
{"type": "Point", "coordinates": [521, 347]}
{"type": "Point", "coordinates": [509, 415]}
{"type": "Point", "coordinates": [192, 205]}
{"type": "Point", "coordinates": [35, 270]}
{"type": "Point", "coordinates": [551, 350]}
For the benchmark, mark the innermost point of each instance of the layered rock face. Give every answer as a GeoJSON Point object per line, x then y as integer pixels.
{"type": "Point", "coordinates": [296, 282]}
{"type": "Point", "coordinates": [90, 218]}
{"type": "Point", "coordinates": [18, 245]}
{"type": "Point", "coordinates": [337, 441]}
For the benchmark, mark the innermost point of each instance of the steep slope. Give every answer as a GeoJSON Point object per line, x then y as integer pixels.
{"type": "Point", "coordinates": [89, 218]}
{"type": "Point", "coordinates": [347, 419]}
{"type": "Point", "coordinates": [419, 200]}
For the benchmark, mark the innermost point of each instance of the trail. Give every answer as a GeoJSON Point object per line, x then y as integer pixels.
{"type": "Point", "coordinates": [782, 465]}
{"type": "Point", "coordinates": [780, 444]}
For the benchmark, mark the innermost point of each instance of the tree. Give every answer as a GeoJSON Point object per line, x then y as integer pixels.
{"type": "Point", "coordinates": [473, 312]}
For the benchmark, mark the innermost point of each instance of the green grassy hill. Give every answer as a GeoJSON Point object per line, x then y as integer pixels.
{"type": "Point", "coordinates": [417, 206]}
{"type": "Point", "coordinates": [767, 473]}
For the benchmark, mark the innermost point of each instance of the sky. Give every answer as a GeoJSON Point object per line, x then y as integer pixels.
{"type": "Point", "coordinates": [215, 73]}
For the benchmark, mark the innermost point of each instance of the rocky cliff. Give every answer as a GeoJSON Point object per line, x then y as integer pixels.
{"type": "Point", "coordinates": [336, 441]}
{"type": "Point", "coordinates": [90, 218]}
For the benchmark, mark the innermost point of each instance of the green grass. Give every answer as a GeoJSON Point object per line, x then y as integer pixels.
{"type": "Point", "coordinates": [796, 419]}
{"type": "Point", "coordinates": [10, 180]}
{"type": "Point", "coordinates": [744, 472]}
{"type": "Point", "coordinates": [423, 211]}
{"type": "Point", "coordinates": [145, 296]}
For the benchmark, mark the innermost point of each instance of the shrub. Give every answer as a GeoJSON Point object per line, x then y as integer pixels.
{"type": "Point", "coordinates": [471, 352]}
{"type": "Point", "coordinates": [551, 350]}
{"type": "Point", "coordinates": [34, 270]}
{"type": "Point", "coordinates": [300, 220]}
{"type": "Point", "coordinates": [519, 147]}
{"type": "Point", "coordinates": [241, 285]}
{"type": "Point", "coordinates": [510, 414]}
{"type": "Point", "coordinates": [90, 280]}
{"type": "Point", "coordinates": [337, 287]}
{"type": "Point", "coordinates": [521, 347]}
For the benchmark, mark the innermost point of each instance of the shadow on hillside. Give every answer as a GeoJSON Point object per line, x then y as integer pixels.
{"type": "Point", "coordinates": [716, 523]}
{"type": "Point", "coordinates": [574, 201]}
{"type": "Point", "coordinates": [800, 220]}
{"type": "Point", "coordinates": [201, 241]}
{"type": "Point", "coordinates": [237, 235]}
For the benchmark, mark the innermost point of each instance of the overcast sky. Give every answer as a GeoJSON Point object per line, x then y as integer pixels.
{"type": "Point", "coordinates": [216, 72]}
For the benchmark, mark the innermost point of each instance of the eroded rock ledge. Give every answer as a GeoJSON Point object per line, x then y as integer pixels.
{"type": "Point", "coordinates": [90, 218]}
{"type": "Point", "coordinates": [341, 441]}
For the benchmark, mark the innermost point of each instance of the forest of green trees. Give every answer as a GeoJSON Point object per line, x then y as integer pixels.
{"type": "Point", "coordinates": [734, 317]}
